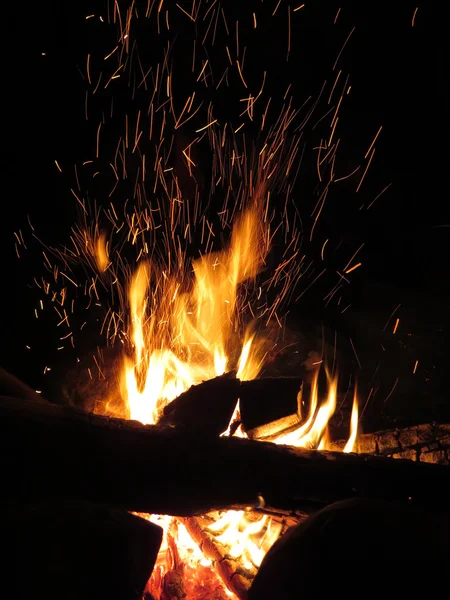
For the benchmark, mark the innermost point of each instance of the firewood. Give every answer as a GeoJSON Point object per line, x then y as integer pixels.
{"type": "Point", "coordinates": [424, 443]}
{"type": "Point", "coordinates": [271, 404]}
{"type": "Point", "coordinates": [72, 550]}
{"type": "Point", "coordinates": [267, 405]}
{"type": "Point", "coordinates": [358, 540]}
{"type": "Point", "coordinates": [237, 579]}
{"type": "Point", "coordinates": [205, 408]}
{"type": "Point", "coordinates": [236, 574]}
{"type": "Point", "coordinates": [55, 451]}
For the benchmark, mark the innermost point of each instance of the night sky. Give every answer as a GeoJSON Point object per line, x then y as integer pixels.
{"type": "Point", "coordinates": [398, 80]}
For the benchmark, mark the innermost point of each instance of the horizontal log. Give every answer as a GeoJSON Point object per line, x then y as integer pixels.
{"type": "Point", "coordinates": [424, 443]}
{"type": "Point", "coordinates": [55, 451]}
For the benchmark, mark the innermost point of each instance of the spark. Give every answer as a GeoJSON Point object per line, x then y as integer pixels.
{"type": "Point", "coordinates": [354, 351]}
{"type": "Point", "coordinates": [392, 390]}
{"type": "Point", "coordinates": [343, 46]}
{"type": "Point", "coordinates": [378, 195]}
{"type": "Point", "coordinates": [396, 325]}
{"type": "Point", "coordinates": [390, 316]}
{"type": "Point", "coordinates": [206, 126]}
{"type": "Point", "coordinates": [352, 268]}
{"type": "Point", "coordinates": [365, 170]}
{"type": "Point", "coordinates": [373, 142]}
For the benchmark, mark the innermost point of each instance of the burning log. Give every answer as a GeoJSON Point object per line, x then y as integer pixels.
{"type": "Point", "coordinates": [54, 451]}
{"type": "Point", "coordinates": [236, 566]}
{"type": "Point", "coordinates": [79, 550]}
{"type": "Point", "coordinates": [424, 443]}
{"type": "Point", "coordinates": [267, 406]}
{"type": "Point", "coordinates": [271, 405]}
{"type": "Point", "coordinates": [206, 408]}
{"type": "Point", "coordinates": [353, 536]}
{"type": "Point", "coordinates": [236, 578]}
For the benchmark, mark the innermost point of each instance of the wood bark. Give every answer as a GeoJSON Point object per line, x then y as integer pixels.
{"type": "Point", "coordinates": [424, 443]}
{"type": "Point", "coordinates": [58, 452]}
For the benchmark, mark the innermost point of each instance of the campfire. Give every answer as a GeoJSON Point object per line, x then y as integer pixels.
{"type": "Point", "coordinates": [193, 354]}
{"type": "Point", "coordinates": [190, 277]}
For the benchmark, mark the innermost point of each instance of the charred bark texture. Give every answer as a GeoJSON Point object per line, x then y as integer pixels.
{"type": "Point", "coordinates": [58, 452]}
{"type": "Point", "coordinates": [424, 443]}
{"type": "Point", "coordinates": [206, 408]}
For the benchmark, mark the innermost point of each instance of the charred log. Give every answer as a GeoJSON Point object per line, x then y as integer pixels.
{"type": "Point", "coordinates": [270, 405]}
{"type": "Point", "coordinates": [58, 452]}
{"type": "Point", "coordinates": [267, 405]}
{"type": "Point", "coordinates": [75, 550]}
{"type": "Point", "coordinates": [206, 408]}
{"type": "Point", "coordinates": [358, 540]}
{"type": "Point", "coordinates": [424, 443]}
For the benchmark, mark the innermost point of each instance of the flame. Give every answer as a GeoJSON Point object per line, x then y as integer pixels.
{"type": "Point", "coordinates": [183, 333]}
{"type": "Point", "coordinates": [181, 338]}
{"type": "Point", "coordinates": [246, 539]}
{"type": "Point", "coordinates": [351, 442]}
{"type": "Point", "coordinates": [101, 252]}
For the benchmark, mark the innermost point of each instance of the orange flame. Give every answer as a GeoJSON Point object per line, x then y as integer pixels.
{"type": "Point", "coordinates": [351, 442]}
{"type": "Point", "coordinates": [182, 338]}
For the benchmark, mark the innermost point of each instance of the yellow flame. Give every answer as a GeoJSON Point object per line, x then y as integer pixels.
{"type": "Point", "coordinates": [246, 539]}
{"type": "Point", "coordinates": [101, 252]}
{"type": "Point", "coordinates": [181, 338]}
{"type": "Point", "coordinates": [351, 442]}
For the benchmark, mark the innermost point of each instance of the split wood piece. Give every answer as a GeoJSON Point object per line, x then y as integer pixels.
{"type": "Point", "coordinates": [49, 451]}
{"type": "Point", "coordinates": [78, 550]}
{"type": "Point", "coordinates": [271, 405]}
{"type": "Point", "coordinates": [423, 443]}
{"type": "Point", "coordinates": [267, 405]}
{"type": "Point", "coordinates": [205, 408]}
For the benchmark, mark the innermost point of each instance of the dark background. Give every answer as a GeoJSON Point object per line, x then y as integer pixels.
{"type": "Point", "coordinates": [399, 80]}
